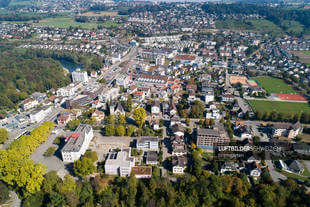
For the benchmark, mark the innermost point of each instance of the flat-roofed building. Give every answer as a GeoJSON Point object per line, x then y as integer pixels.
{"type": "Point", "coordinates": [119, 163]}
{"type": "Point", "coordinates": [77, 144]}
{"type": "Point", "coordinates": [207, 138]}
{"type": "Point", "coordinates": [79, 76]}
{"type": "Point", "coordinates": [147, 143]}
{"type": "Point", "coordinates": [142, 172]}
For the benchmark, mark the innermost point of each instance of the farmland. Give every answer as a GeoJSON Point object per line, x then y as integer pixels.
{"type": "Point", "coordinates": [304, 56]}
{"type": "Point", "coordinates": [102, 13]}
{"type": "Point", "coordinates": [275, 85]}
{"type": "Point", "coordinates": [279, 106]}
{"type": "Point", "coordinates": [66, 22]}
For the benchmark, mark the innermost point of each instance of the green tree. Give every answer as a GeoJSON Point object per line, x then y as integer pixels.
{"type": "Point", "coordinates": [139, 115]}
{"type": "Point", "coordinates": [130, 130]}
{"type": "Point", "coordinates": [51, 179]}
{"type": "Point", "coordinates": [83, 167]}
{"type": "Point", "coordinates": [109, 130]}
{"type": "Point", "coordinates": [121, 119]}
{"type": "Point", "coordinates": [91, 155]}
{"type": "Point", "coordinates": [120, 130]}
{"type": "Point", "coordinates": [3, 135]}
{"type": "Point", "coordinates": [129, 103]}
{"type": "Point", "coordinates": [197, 110]}
{"type": "Point", "coordinates": [73, 124]}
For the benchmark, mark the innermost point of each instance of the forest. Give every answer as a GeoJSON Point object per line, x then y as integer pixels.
{"type": "Point", "coordinates": [22, 73]}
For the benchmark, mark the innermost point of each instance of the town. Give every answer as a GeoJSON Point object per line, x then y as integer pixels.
{"type": "Point", "coordinates": [164, 97]}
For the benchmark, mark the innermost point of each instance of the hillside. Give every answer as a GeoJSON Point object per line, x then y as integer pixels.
{"type": "Point", "coordinates": [22, 73]}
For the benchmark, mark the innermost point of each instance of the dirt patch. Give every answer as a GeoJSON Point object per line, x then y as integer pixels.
{"type": "Point", "coordinates": [304, 58]}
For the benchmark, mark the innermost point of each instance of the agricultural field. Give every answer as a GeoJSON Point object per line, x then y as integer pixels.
{"type": "Point", "coordinates": [66, 22]}
{"type": "Point", "coordinates": [274, 85]}
{"type": "Point", "coordinates": [304, 56]}
{"type": "Point", "coordinates": [102, 13]}
{"type": "Point", "coordinates": [279, 106]}
{"type": "Point", "coordinates": [23, 3]}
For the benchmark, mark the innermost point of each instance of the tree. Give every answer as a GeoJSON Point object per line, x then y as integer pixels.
{"type": "Point", "coordinates": [139, 115]}
{"type": "Point", "coordinates": [109, 130]}
{"type": "Point", "coordinates": [49, 152]}
{"type": "Point", "coordinates": [110, 118]}
{"type": "Point", "coordinates": [187, 121]}
{"type": "Point", "coordinates": [120, 130]}
{"type": "Point", "coordinates": [197, 110]}
{"type": "Point", "coordinates": [3, 135]}
{"type": "Point", "coordinates": [73, 124]}
{"type": "Point", "coordinates": [130, 130]}
{"type": "Point", "coordinates": [129, 103]}
{"type": "Point", "coordinates": [91, 155]}
{"type": "Point", "coordinates": [51, 179]}
{"type": "Point", "coordinates": [83, 167]}
{"type": "Point", "coordinates": [121, 119]}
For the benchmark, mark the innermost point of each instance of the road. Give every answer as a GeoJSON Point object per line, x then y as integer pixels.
{"type": "Point", "coordinates": [276, 176]}
{"type": "Point", "coordinates": [15, 133]}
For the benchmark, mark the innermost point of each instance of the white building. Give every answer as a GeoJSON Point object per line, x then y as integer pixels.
{"type": "Point", "coordinates": [29, 103]}
{"type": "Point", "coordinates": [39, 114]}
{"type": "Point", "coordinates": [79, 76]}
{"type": "Point", "coordinates": [119, 163]}
{"type": "Point", "coordinates": [123, 81]}
{"type": "Point", "coordinates": [147, 143]}
{"type": "Point", "coordinates": [155, 109]}
{"type": "Point", "coordinates": [77, 144]}
{"type": "Point", "coordinates": [67, 91]}
{"type": "Point", "coordinates": [209, 97]}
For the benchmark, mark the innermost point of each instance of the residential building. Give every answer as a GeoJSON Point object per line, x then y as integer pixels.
{"type": "Point", "coordinates": [119, 163]}
{"type": "Point", "coordinates": [179, 164]}
{"type": "Point", "coordinates": [77, 144]}
{"type": "Point", "coordinates": [29, 103]}
{"type": "Point", "coordinates": [287, 130]}
{"type": "Point", "coordinates": [79, 76]}
{"type": "Point", "coordinates": [151, 158]}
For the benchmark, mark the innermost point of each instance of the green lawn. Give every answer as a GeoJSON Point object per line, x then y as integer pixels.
{"type": "Point", "coordinates": [279, 106]}
{"type": "Point", "coordinates": [293, 27]}
{"type": "Point", "coordinates": [293, 175]}
{"type": "Point", "coordinates": [65, 22]}
{"type": "Point", "coordinates": [307, 52]}
{"type": "Point", "coordinates": [275, 85]}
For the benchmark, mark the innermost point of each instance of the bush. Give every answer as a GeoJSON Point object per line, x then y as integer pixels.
{"type": "Point", "coordinates": [49, 152]}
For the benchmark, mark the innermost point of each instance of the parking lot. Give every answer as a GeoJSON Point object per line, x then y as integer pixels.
{"type": "Point", "coordinates": [102, 144]}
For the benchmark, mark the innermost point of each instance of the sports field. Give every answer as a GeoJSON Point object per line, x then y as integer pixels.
{"type": "Point", "coordinates": [275, 85]}
{"type": "Point", "coordinates": [279, 106]}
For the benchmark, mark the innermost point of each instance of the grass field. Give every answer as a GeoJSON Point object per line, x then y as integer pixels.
{"type": "Point", "coordinates": [279, 106]}
{"type": "Point", "coordinates": [275, 85]}
{"type": "Point", "coordinates": [249, 25]}
{"type": "Point", "coordinates": [66, 22]}
{"type": "Point", "coordinates": [293, 27]}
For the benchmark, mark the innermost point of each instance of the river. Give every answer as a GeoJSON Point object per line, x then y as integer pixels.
{"type": "Point", "coordinates": [69, 66]}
